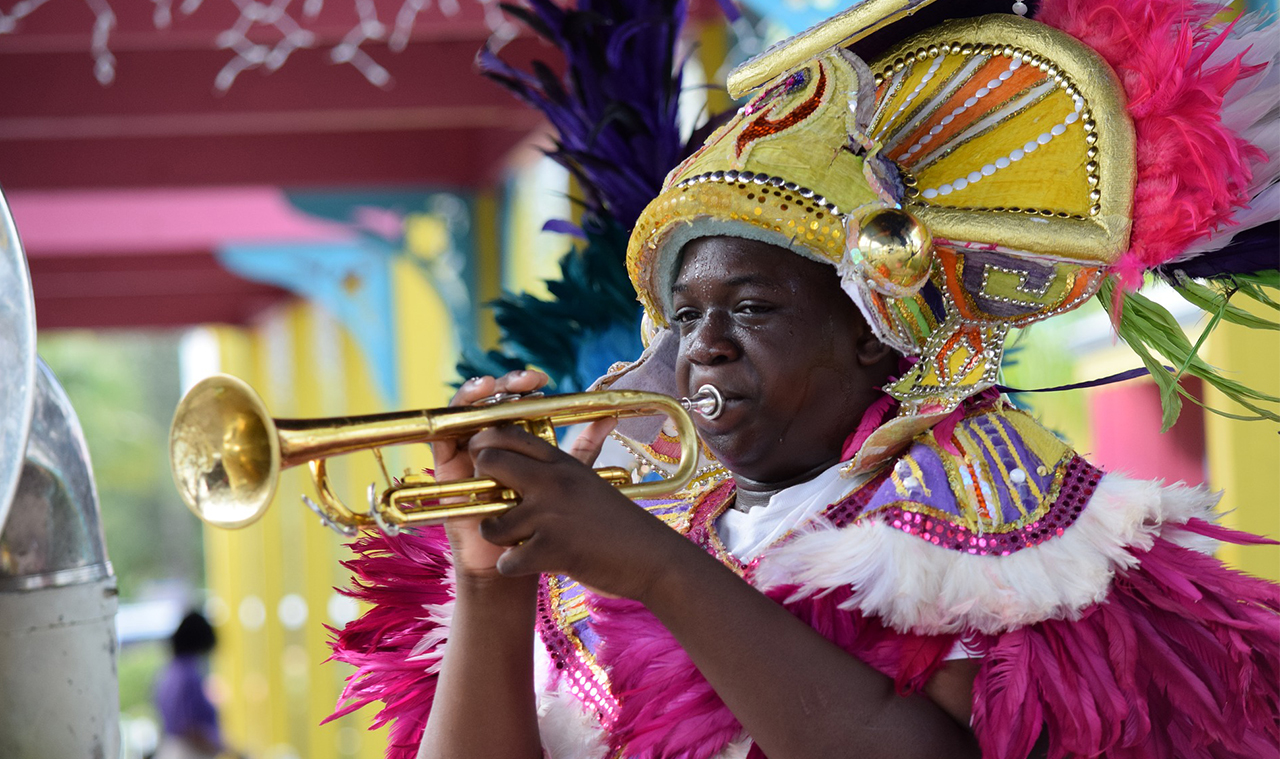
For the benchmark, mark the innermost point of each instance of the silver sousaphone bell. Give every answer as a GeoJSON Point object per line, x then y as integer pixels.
{"type": "Point", "coordinates": [57, 589]}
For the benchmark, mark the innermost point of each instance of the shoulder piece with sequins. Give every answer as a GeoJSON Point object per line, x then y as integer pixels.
{"type": "Point", "coordinates": [998, 525]}
{"type": "Point", "coordinates": [999, 483]}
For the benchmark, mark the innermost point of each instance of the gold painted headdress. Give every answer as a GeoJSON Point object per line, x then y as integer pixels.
{"type": "Point", "coordinates": [977, 177]}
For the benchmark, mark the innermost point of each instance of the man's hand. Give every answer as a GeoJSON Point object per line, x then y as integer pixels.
{"type": "Point", "coordinates": [473, 556]}
{"type": "Point", "coordinates": [569, 520]}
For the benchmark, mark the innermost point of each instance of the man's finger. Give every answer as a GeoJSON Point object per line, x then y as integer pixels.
{"type": "Point", "coordinates": [522, 381]}
{"type": "Point", "coordinates": [473, 390]}
{"type": "Point", "coordinates": [506, 529]}
{"type": "Point", "coordinates": [513, 439]}
{"type": "Point", "coordinates": [586, 447]}
{"type": "Point", "coordinates": [518, 560]}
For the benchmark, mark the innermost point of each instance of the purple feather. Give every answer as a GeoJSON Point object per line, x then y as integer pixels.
{"type": "Point", "coordinates": [564, 227]}
{"type": "Point", "coordinates": [1250, 251]}
{"type": "Point", "coordinates": [616, 109]}
{"type": "Point", "coordinates": [729, 9]}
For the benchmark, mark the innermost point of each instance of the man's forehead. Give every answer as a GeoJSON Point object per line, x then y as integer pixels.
{"type": "Point", "coordinates": [737, 280]}
{"type": "Point", "coordinates": [734, 262]}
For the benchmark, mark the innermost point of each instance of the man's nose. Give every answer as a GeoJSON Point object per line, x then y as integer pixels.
{"type": "Point", "coordinates": [712, 340]}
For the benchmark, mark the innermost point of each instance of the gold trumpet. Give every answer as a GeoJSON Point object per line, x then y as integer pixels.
{"type": "Point", "coordinates": [227, 453]}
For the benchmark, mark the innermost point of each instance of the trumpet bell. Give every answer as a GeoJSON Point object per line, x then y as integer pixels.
{"type": "Point", "coordinates": [225, 452]}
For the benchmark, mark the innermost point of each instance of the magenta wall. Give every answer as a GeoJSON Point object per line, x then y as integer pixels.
{"type": "Point", "coordinates": [1125, 419]}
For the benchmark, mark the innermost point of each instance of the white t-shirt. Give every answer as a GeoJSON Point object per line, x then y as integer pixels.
{"type": "Point", "coordinates": [745, 534]}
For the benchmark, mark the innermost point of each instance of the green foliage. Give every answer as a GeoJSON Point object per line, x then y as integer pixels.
{"type": "Point", "coordinates": [1217, 300]}
{"type": "Point", "coordinates": [139, 665]}
{"type": "Point", "coordinates": [124, 388]}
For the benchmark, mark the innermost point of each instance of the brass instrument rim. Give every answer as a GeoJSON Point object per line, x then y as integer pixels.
{"type": "Point", "coordinates": [224, 383]}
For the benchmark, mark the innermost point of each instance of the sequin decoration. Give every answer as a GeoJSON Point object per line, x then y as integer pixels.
{"type": "Point", "coordinates": [844, 512]}
{"type": "Point", "coordinates": [563, 621]}
{"type": "Point", "coordinates": [791, 215]}
{"type": "Point", "coordinates": [788, 85]}
{"type": "Point", "coordinates": [572, 658]}
{"type": "Point", "coordinates": [1078, 485]}
{"type": "Point", "coordinates": [762, 126]}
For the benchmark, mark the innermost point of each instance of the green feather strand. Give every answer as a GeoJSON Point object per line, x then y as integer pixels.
{"type": "Point", "coordinates": [1215, 301]}
{"type": "Point", "coordinates": [1148, 327]}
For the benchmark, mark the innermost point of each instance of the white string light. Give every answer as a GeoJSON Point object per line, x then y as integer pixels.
{"type": "Point", "coordinates": [162, 16]}
{"type": "Point", "coordinates": [21, 9]}
{"type": "Point", "coordinates": [104, 20]}
{"type": "Point", "coordinates": [104, 63]}
{"type": "Point", "coordinates": [368, 29]}
{"type": "Point", "coordinates": [293, 35]}
{"type": "Point", "coordinates": [249, 54]}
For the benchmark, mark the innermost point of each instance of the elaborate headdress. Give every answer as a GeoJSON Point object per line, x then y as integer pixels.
{"type": "Point", "coordinates": [982, 175]}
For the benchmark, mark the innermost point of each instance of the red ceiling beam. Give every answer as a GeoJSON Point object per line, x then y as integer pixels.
{"type": "Point", "coordinates": [451, 158]}
{"type": "Point", "coordinates": [170, 289]}
{"type": "Point", "coordinates": [309, 123]}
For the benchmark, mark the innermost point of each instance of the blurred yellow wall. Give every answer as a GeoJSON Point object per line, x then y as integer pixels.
{"type": "Point", "coordinates": [269, 671]}
{"type": "Point", "coordinates": [1244, 457]}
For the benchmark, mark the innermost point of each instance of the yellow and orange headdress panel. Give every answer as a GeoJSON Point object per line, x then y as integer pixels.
{"type": "Point", "coordinates": [977, 177]}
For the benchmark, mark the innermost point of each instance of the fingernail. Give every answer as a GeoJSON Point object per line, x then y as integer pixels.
{"type": "Point", "coordinates": [473, 381]}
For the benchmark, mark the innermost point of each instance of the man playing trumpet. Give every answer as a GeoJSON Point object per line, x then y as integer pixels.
{"type": "Point", "coordinates": [881, 555]}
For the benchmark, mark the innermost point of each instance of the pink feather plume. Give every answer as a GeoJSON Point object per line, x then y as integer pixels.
{"type": "Point", "coordinates": [667, 710]}
{"type": "Point", "coordinates": [1181, 661]}
{"type": "Point", "coordinates": [1193, 172]}
{"type": "Point", "coordinates": [394, 644]}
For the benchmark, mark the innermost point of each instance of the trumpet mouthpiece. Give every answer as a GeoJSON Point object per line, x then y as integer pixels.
{"type": "Point", "coordinates": [707, 402]}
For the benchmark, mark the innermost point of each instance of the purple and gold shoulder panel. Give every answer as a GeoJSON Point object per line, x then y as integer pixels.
{"type": "Point", "coordinates": [1002, 483]}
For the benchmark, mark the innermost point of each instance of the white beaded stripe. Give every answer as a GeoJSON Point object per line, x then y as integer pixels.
{"type": "Point", "coordinates": [936, 99]}
{"type": "Point", "coordinates": [982, 92]}
{"type": "Point", "coordinates": [891, 90]}
{"type": "Point", "coordinates": [1017, 155]}
{"type": "Point", "coordinates": [911, 96]}
{"type": "Point", "coordinates": [1008, 110]}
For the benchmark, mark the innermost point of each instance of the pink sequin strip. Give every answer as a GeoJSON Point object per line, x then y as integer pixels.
{"type": "Point", "coordinates": [571, 655]}
{"type": "Point", "coordinates": [702, 519]}
{"type": "Point", "coordinates": [842, 513]}
{"type": "Point", "coordinates": [570, 662]}
{"type": "Point", "coordinates": [1078, 484]}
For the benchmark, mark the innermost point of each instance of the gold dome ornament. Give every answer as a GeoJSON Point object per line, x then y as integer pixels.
{"type": "Point", "coordinates": [892, 250]}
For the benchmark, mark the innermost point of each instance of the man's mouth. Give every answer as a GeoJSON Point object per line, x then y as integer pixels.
{"type": "Point", "coordinates": [728, 414]}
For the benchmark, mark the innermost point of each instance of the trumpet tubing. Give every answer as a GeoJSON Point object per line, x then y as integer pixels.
{"type": "Point", "coordinates": [227, 453]}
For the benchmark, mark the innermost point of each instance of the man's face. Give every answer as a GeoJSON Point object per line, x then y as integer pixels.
{"type": "Point", "coordinates": [787, 348]}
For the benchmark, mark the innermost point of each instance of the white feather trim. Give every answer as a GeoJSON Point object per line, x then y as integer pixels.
{"type": "Point", "coordinates": [431, 647]}
{"type": "Point", "coordinates": [913, 585]}
{"type": "Point", "coordinates": [738, 749]}
{"type": "Point", "coordinates": [567, 730]}
{"type": "Point", "coordinates": [1252, 111]}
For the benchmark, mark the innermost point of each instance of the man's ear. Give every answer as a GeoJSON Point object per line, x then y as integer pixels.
{"type": "Point", "coordinates": [871, 351]}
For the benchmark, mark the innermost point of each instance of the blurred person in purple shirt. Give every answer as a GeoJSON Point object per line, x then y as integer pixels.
{"type": "Point", "coordinates": [188, 718]}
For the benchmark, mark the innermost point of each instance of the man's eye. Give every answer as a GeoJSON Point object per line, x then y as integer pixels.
{"type": "Point", "coordinates": [684, 316]}
{"type": "Point", "coordinates": [754, 308]}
